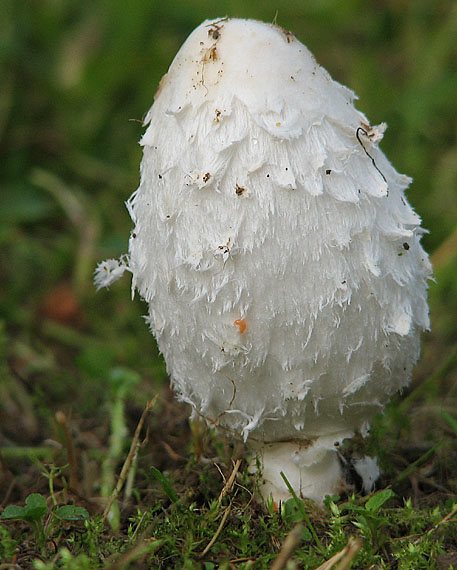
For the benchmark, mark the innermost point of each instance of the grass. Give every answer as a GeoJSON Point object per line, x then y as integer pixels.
{"type": "Point", "coordinates": [78, 367]}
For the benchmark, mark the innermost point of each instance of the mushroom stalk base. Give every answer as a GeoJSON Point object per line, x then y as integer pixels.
{"type": "Point", "coordinates": [312, 469]}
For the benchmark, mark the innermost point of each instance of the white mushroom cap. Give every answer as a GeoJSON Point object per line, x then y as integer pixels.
{"type": "Point", "coordinates": [262, 66]}
{"type": "Point", "coordinates": [280, 259]}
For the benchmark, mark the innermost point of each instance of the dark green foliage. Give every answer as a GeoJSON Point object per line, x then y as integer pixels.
{"type": "Point", "coordinates": [34, 510]}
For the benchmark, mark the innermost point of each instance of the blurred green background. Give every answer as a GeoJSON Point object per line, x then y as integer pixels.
{"type": "Point", "coordinates": [76, 78]}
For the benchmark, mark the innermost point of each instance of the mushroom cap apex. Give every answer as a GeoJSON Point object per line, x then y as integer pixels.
{"type": "Point", "coordinates": [263, 66]}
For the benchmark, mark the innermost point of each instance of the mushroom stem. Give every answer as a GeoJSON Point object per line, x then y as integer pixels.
{"type": "Point", "coordinates": [312, 469]}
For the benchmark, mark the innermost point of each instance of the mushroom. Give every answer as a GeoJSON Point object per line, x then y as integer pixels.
{"type": "Point", "coordinates": [280, 260]}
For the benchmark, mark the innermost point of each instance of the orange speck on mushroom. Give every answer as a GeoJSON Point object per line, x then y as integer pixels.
{"type": "Point", "coordinates": [242, 324]}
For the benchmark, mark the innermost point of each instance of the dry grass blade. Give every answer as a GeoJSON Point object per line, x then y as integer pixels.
{"type": "Point", "coordinates": [225, 491]}
{"type": "Point", "coordinates": [447, 518]}
{"type": "Point", "coordinates": [343, 558]}
{"type": "Point", "coordinates": [288, 548]}
{"type": "Point", "coordinates": [229, 484]}
{"type": "Point", "coordinates": [444, 520]}
{"type": "Point", "coordinates": [218, 531]}
{"type": "Point", "coordinates": [128, 461]}
{"type": "Point", "coordinates": [144, 547]}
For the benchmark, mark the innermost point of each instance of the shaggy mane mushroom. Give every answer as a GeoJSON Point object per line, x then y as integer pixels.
{"type": "Point", "coordinates": [279, 258]}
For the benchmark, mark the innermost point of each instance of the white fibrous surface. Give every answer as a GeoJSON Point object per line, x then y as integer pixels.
{"type": "Point", "coordinates": [368, 470]}
{"type": "Point", "coordinates": [273, 242]}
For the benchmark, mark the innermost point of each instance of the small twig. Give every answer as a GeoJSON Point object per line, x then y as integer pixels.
{"type": "Point", "coordinates": [138, 526]}
{"type": "Point", "coordinates": [172, 453]}
{"type": "Point", "coordinates": [129, 459]}
{"type": "Point", "coordinates": [353, 547]}
{"type": "Point", "coordinates": [132, 473]}
{"type": "Point", "coordinates": [344, 557]}
{"type": "Point", "coordinates": [361, 130]}
{"type": "Point", "coordinates": [218, 531]}
{"type": "Point", "coordinates": [229, 407]}
{"type": "Point", "coordinates": [287, 549]}
{"type": "Point", "coordinates": [444, 520]}
{"type": "Point", "coordinates": [130, 478]}
{"type": "Point", "coordinates": [229, 484]}
{"type": "Point", "coordinates": [228, 487]}
{"type": "Point", "coordinates": [144, 546]}
{"type": "Point", "coordinates": [220, 473]}
{"type": "Point", "coordinates": [62, 420]}
{"type": "Point", "coordinates": [447, 518]}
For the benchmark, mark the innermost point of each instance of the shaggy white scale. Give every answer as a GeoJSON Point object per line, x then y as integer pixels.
{"type": "Point", "coordinates": [274, 245]}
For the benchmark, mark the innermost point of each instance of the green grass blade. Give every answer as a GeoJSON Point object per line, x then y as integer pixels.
{"type": "Point", "coordinates": [302, 510]}
{"type": "Point", "coordinates": [166, 486]}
